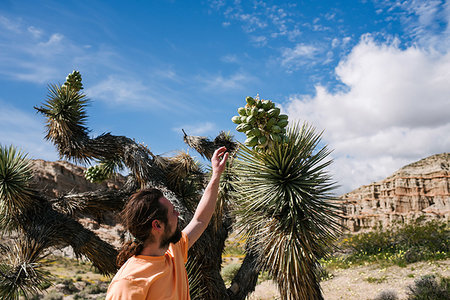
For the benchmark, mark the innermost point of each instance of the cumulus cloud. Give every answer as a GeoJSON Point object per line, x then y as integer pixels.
{"type": "Point", "coordinates": [394, 109]}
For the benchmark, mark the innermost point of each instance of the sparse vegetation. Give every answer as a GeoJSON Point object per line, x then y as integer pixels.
{"type": "Point", "coordinates": [371, 279]}
{"type": "Point", "coordinates": [400, 246]}
{"type": "Point", "coordinates": [427, 287]}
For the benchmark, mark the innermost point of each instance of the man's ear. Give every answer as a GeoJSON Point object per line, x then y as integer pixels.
{"type": "Point", "coordinates": [156, 225]}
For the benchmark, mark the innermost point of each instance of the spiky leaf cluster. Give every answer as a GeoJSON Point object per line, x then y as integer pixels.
{"type": "Point", "coordinates": [103, 171]}
{"type": "Point", "coordinates": [286, 206]}
{"type": "Point", "coordinates": [65, 109]}
{"type": "Point", "coordinates": [262, 123]}
{"type": "Point", "coordinates": [96, 174]}
{"type": "Point", "coordinates": [205, 147]}
{"type": "Point", "coordinates": [21, 268]}
{"type": "Point", "coordinates": [15, 174]}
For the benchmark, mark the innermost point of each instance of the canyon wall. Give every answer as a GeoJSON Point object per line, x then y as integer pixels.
{"type": "Point", "coordinates": [420, 189]}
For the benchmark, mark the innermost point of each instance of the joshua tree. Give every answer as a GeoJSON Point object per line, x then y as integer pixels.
{"type": "Point", "coordinates": [279, 198]}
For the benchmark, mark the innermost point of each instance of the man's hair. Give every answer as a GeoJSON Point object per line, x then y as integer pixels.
{"type": "Point", "coordinates": [137, 216]}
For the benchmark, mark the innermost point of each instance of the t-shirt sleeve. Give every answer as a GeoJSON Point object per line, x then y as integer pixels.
{"type": "Point", "coordinates": [184, 246]}
{"type": "Point", "coordinates": [125, 289]}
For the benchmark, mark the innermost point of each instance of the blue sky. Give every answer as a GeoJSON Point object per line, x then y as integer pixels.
{"type": "Point", "coordinates": [374, 75]}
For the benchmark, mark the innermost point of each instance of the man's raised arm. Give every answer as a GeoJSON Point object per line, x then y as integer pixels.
{"type": "Point", "coordinates": [207, 204]}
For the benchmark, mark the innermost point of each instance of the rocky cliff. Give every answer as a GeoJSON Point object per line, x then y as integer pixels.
{"type": "Point", "coordinates": [420, 189]}
{"type": "Point", "coordinates": [60, 177]}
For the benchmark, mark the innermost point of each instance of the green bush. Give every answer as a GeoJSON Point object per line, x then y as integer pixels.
{"type": "Point", "coordinates": [427, 288]}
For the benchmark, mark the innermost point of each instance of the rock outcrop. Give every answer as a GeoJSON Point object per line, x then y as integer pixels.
{"type": "Point", "coordinates": [57, 178]}
{"type": "Point", "coordinates": [420, 189]}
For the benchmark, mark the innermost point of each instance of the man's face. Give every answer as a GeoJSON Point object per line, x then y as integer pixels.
{"type": "Point", "coordinates": [172, 233]}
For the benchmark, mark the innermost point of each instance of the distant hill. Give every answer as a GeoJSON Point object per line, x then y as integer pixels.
{"type": "Point", "coordinates": [420, 189]}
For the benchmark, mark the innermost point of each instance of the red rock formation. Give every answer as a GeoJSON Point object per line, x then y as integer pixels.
{"type": "Point", "coordinates": [420, 189]}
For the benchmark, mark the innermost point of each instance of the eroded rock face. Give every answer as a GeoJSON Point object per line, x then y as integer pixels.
{"type": "Point", "coordinates": [420, 189]}
{"type": "Point", "coordinates": [60, 177]}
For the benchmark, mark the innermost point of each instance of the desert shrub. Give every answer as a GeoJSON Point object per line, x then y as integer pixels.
{"type": "Point", "coordinates": [228, 272]}
{"type": "Point", "coordinates": [69, 286]}
{"type": "Point", "coordinates": [387, 295]}
{"type": "Point", "coordinates": [325, 274]}
{"type": "Point", "coordinates": [80, 296]}
{"type": "Point", "coordinates": [400, 245]}
{"type": "Point", "coordinates": [427, 288]}
{"type": "Point", "coordinates": [97, 288]}
{"type": "Point", "coordinates": [53, 295]}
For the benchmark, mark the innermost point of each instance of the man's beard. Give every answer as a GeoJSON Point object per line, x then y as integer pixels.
{"type": "Point", "coordinates": [174, 238]}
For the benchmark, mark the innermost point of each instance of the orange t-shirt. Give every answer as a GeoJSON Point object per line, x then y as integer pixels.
{"type": "Point", "coordinates": [153, 277]}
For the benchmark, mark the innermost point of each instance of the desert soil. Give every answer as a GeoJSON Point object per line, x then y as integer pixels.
{"type": "Point", "coordinates": [366, 282]}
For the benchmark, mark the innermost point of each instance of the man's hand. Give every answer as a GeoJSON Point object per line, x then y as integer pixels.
{"type": "Point", "coordinates": [219, 160]}
{"type": "Point", "coordinates": [207, 204]}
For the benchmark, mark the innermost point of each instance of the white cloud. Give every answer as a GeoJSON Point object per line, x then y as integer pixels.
{"type": "Point", "coordinates": [230, 58]}
{"type": "Point", "coordinates": [9, 25]}
{"type": "Point", "coordinates": [25, 131]}
{"type": "Point", "coordinates": [201, 129]}
{"type": "Point", "coordinates": [426, 21]}
{"type": "Point", "coordinates": [298, 56]}
{"type": "Point", "coordinates": [260, 19]}
{"type": "Point", "coordinates": [32, 54]}
{"type": "Point", "coordinates": [37, 33]}
{"type": "Point", "coordinates": [258, 41]}
{"type": "Point", "coordinates": [395, 110]}
{"type": "Point", "coordinates": [117, 90]}
{"type": "Point", "coordinates": [219, 82]}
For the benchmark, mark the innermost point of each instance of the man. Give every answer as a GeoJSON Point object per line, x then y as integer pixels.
{"type": "Point", "coordinates": [152, 265]}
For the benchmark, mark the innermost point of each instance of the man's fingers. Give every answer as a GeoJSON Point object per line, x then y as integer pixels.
{"type": "Point", "coordinates": [220, 152]}
{"type": "Point", "coordinates": [225, 157]}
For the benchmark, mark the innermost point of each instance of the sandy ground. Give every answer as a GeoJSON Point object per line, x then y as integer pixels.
{"type": "Point", "coordinates": [366, 282]}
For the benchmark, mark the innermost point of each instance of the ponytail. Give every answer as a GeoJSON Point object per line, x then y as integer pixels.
{"type": "Point", "coordinates": [129, 249]}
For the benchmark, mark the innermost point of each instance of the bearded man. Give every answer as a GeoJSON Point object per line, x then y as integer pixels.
{"type": "Point", "coordinates": [152, 264]}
